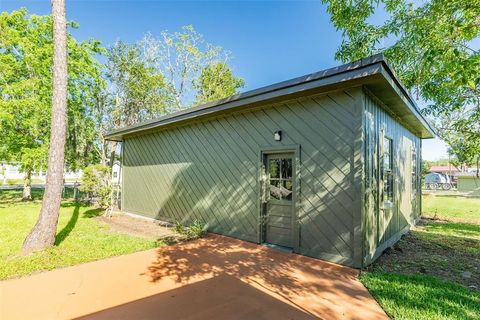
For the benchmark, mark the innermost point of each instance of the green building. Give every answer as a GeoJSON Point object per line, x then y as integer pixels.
{"type": "Point", "coordinates": [326, 165]}
{"type": "Point", "coordinates": [469, 184]}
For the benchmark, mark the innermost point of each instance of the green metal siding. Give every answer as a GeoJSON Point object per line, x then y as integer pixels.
{"type": "Point", "coordinates": [383, 227]}
{"type": "Point", "coordinates": [211, 171]}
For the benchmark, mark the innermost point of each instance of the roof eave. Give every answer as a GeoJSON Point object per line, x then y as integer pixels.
{"type": "Point", "coordinates": [389, 74]}
{"type": "Point", "coordinates": [318, 81]}
{"type": "Point", "coordinates": [348, 74]}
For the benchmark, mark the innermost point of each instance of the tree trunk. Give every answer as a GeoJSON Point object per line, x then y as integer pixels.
{"type": "Point", "coordinates": [103, 155]}
{"type": "Point", "coordinates": [43, 233]}
{"type": "Point", "coordinates": [478, 165]}
{"type": "Point", "coordinates": [27, 185]}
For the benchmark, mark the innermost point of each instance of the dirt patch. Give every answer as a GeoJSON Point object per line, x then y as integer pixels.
{"type": "Point", "coordinates": [430, 249]}
{"type": "Point", "coordinates": [152, 230]}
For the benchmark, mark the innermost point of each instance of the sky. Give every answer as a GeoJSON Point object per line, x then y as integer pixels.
{"type": "Point", "coordinates": [270, 41]}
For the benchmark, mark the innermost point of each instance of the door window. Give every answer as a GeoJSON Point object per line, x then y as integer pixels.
{"type": "Point", "coordinates": [280, 176]}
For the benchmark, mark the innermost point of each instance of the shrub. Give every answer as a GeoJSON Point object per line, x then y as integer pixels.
{"type": "Point", "coordinates": [96, 181]}
{"type": "Point", "coordinates": [196, 230]}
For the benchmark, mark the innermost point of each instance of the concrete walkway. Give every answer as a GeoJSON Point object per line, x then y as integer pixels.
{"type": "Point", "coordinates": [211, 278]}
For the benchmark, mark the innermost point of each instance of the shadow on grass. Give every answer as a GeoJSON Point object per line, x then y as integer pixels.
{"type": "Point", "coordinates": [15, 195]}
{"type": "Point", "coordinates": [92, 213]}
{"type": "Point", "coordinates": [421, 296]}
{"type": "Point", "coordinates": [63, 234]}
{"type": "Point", "coordinates": [67, 204]}
{"type": "Point", "coordinates": [462, 229]}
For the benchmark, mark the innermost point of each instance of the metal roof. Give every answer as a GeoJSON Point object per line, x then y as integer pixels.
{"type": "Point", "coordinates": [373, 72]}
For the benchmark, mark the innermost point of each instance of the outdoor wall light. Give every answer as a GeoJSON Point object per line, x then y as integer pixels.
{"type": "Point", "coordinates": [277, 135]}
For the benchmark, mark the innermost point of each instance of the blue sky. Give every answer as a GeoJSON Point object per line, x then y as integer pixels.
{"type": "Point", "coordinates": [270, 41]}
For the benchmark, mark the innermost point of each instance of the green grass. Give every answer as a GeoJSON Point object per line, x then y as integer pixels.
{"type": "Point", "coordinates": [459, 237]}
{"type": "Point", "coordinates": [457, 229]}
{"type": "Point", "coordinates": [452, 208]}
{"type": "Point", "coordinates": [14, 195]}
{"type": "Point", "coordinates": [422, 276]}
{"type": "Point", "coordinates": [421, 297]}
{"type": "Point", "coordinates": [20, 181]}
{"type": "Point", "coordinates": [80, 237]}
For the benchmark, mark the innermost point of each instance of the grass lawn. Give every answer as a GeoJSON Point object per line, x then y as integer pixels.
{"type": "Point", "coordinates": [20, 181]}
{"type": "Point", "coordinates": [452, 208]}
{"type": "Point", "coordinates": [80, 236]}
{"type": "Point", "coordinates": [421, 297]}
{"type": "Point", "coordinates": [433, 272]}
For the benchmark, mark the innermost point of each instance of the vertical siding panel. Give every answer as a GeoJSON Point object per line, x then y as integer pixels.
{"type": "Point", "coordinates": [389, 223]}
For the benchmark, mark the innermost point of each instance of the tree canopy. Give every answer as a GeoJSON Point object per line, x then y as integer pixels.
{"type": "Point", "coordinates": [26, 89]}
{"type": "Point", "coordinates": [195, 71]}
{"type": "Point", "coordinates": [432, 45]}
{"type": "Point", "coordinates": [216, 81]}
{"type": "Point", "coordinates": [137, 90]}
{"type": "Point", "coordinates": [160, 75]}
{"type": "Point", "coordinates": [137, 82]}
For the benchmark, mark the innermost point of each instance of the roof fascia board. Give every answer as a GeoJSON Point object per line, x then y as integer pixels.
{"type": "Point", "coordinates": [286, 89]}
{"type": "Point", "coordinates": [402, 92]}
{"type": "Point", "coordinates": [318, 82]}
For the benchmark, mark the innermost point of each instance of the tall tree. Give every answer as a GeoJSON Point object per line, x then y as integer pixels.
{"type": "Point", "coordinates": [431, 46]}
{"type": "Point", "coordinates": [162, 75]}
{"type": "Point", "coordinates": [216, 81]}
{"type": "Point", "coordinates": [43, 233]}
{"type": "Point", "coordinates": [461, 130]}
{"type": "Point", "coordinates": [136, 93]}
{"type": "Point", "coordinates": [182, 57]}
{"type": "Point", "coordinates": [26, 90]}
{"type": "Point", "coordinates": [137, 90]}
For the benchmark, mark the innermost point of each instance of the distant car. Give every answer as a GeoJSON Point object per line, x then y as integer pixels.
{"type": "Point", "coordinates": [436, 181]}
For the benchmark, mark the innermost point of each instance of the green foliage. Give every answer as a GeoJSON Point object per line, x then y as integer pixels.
{"type": "Point", "coordinates": [96, 181]}
{"type": "Point", "coordinates": [425, 167]}
{"type": "Point", "coordinates": [160, 75]}
{"type": "Point", "coordinates": [33, 159]}
{"type": "Point", "coordinates": [431, 46]}
{"type": "Point", "coordinates": [146, 80]}
{"type": "Point", "coordinates": [216, 82]}
{"type": "Point", "coordinates": [421, 297]}
{"type": "Point", "coordinates": [194, 231]}
{"type": "Point", "coordinates": [463, 151]}
{"type": "Point", "coordinates": [26, 89]}
{"type": "Point", "coordinates": [80, 237]}
{"type": "Point", "coordinates": [195, 71]}
{"type": "Point", "coordinates": [138, 89]}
